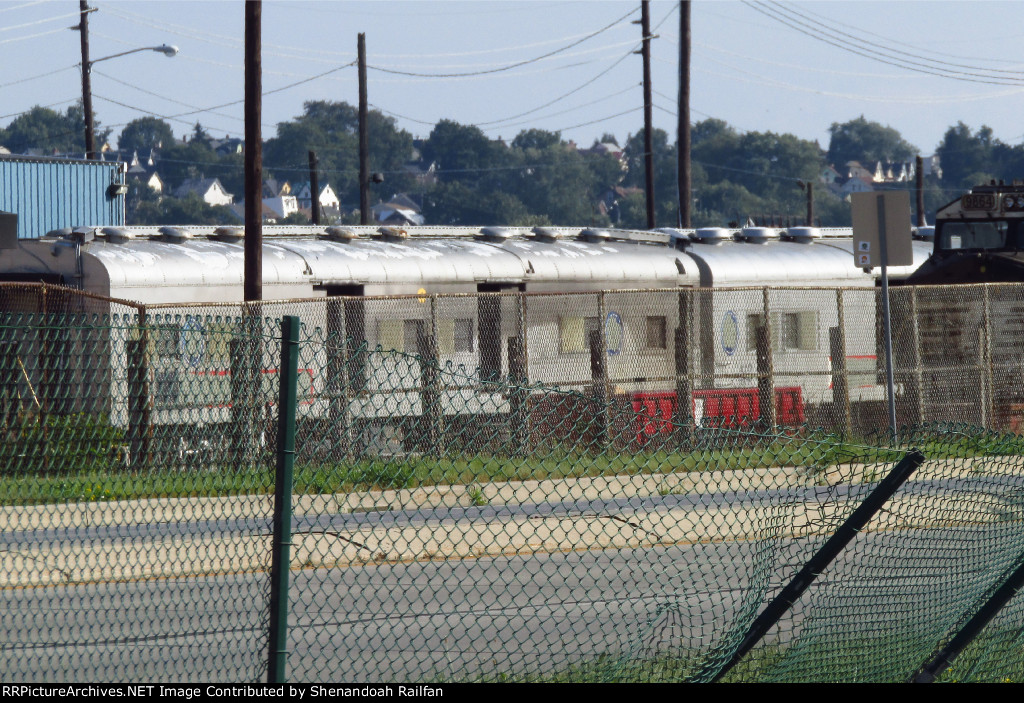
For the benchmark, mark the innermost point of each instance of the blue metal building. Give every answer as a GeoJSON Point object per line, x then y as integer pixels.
{"type": "Point", "coordinates": [51, 193]}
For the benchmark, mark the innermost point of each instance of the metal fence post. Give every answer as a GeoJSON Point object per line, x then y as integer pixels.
{"type": "Point", "coordinates": [139, 415]}
{"type": "Point", "coordinates": [684, 416]}
{"type": "Point", "coordinates": [287, 401]}
{"type": "Point", "coordinates": [847, 409]}
{"type": "Point", "coordinates": [767, 414]}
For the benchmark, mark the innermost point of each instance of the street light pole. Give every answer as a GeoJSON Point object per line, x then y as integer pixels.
{"type": "Point", "coordinates": [83, 28]}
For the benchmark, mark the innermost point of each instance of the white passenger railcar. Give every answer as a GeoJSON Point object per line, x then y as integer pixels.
{"type": "Point", "coordinates": [349, 269]}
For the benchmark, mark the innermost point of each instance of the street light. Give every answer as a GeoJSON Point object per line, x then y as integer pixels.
{"type": "Point", "coordinates": [83, 27]}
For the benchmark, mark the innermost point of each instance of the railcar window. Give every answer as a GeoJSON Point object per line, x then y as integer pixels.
{"type": "Point", "coordinates": [168, 340]}
{"type": "Point", "coordinates": [574, 333]}
{"type": "Point", "coordinates": [974, 235]}
{"type": "Point", "coordinates": [753, 322]}
{"type": "Point", "coordinates": [656, 336]}
{"type": "Point", "coordinates": [790, 331]}
{"type": "Point", "coordinates": [412, 332]}
{"type": "Point", "coordinates": [454, 336]}
{"type": "Point", "coordinates": [463, 335]}
{"type": "Point", "coordinates": [391, 335]}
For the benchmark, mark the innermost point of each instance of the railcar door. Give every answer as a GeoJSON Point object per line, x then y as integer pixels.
{"type": "Point", "coordinates": [489, 328]}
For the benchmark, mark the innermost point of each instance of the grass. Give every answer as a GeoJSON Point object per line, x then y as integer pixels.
{"type": "Point", "coordinates": [80, 459]}
{"type": "Point", "coordinates": [84, 483]}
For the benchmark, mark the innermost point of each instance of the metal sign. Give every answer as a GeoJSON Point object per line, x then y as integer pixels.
{"type": "Point", "coordinates": [613, 333]}
{"type": "Point", "coordinates": [881, 219]}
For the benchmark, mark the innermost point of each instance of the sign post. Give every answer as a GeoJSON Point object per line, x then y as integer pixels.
{"type": "Point", "coordinates": [881, 237]}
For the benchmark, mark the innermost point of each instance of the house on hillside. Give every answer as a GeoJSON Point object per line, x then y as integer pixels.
{"type": "Point", "coordinates": [854, 169]}
{"type": "Point", "coordinates": [149, 177]}
{"type": "Point", "coordinates": [860, 184]}
{"type": "Point", "coordinates": [227, 145]}
{"type": "Point", "coordinates": [893, 172]}
{"type": "Point", "coordinates": [273, 188]}
{"type": "Point", "coordinates": [400, 209]}
{"type": "Point", "coordinates": [209, 189]}
{"type": "Point", "coordinates": [328, 199]}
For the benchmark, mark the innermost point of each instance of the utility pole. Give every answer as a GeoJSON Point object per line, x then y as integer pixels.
{"type": "Point", "coordinates": [83, 30]}
{"type": "Point", "coordinates": [645, 52]}
{"type": "Point", "coordinates": [919, 180]}
{"type": "Point", "coordinates": [314, 185]}
{"type": "Point", "coordinates": [364, 138]}
{"type": "Point", "coordinates": [809, 188]}
{"type": "Point", "coordinates": [253, 263]}
{"type": "Point", "coordinates": [685, 175]}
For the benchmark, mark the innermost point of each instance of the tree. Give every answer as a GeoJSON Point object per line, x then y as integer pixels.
{"type": "Point", "coordinates": [192, 159]}
{"type": "Point", "coordinates": [555, 180]}
{"type": "Point", "coordinates": [331, 129]}
{"type": "Point", "coordinates": [967, 156]}
{"type": "Point", "coordinates": [867, 142]}
{"type": "Point", "coordinates": [145, 133]}
{"type": "Point", "coordinates": [199, 134]}
{"type": "Point", "coordinates": [50, 131]}
{"type": "Point", "coordinates": [190, 210]}
{"type": "Point", "coordinates": [459, 204]}
{"type": "Point", "coordinates": [666, 191]}
{"type": "Point", "coordinates": [462, 151]}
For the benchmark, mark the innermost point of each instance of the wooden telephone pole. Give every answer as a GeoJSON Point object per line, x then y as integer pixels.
{"type": "Point", "coordinates": [645, 52]}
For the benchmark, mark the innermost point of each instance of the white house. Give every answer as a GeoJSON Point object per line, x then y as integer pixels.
{"type": "Point", "coordinates": [282, 205]}
{"type": "Point", "coordinates": [328, 198]}
{"type": "Point", "coordinates": [209, 189]}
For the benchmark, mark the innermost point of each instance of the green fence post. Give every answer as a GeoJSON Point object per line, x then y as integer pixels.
{"type": "Point", "coordinates": [287, 401]}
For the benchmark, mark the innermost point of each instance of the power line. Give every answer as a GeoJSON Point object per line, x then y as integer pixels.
{"type": "Point", "coordinates": [564, 95]}
{"type": "Point", "coordinates": [507, 67]}
{"type": "Point", "coordinates": [42, 21]}
{"type": "Point", "coordinates": [600, 120]}
{"type": "Point", "coordinates": [927, 50]}
{"type": "Point", "coordinates": [570, 109]}
{"type": "Point", "coordinates": [41, 75]}
{"type": "Point", "coordinates": [795, 13]}
{"type": "Point", "coordinates": [872, 50]}
{"type": "Point", "coordinates": [51, 105]}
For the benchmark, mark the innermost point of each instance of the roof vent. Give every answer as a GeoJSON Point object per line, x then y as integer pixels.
{"type": "Point", "coordinates": [546, 234]}
{"type": "Point", "coordinates": [229, 234]}
{"type": "Point", "coordinates": [393, 234]}
{"type": "Point", "coordinates": [712, 235]}
{"type": "Point", "coordinates": [341, 234]}
{"type": "Point", "coordinates": [62, 233]}
{"type": "Point", "coordinates": [678, 238]}
{"type": "Point", "coordinates": [595, 235]}
{"type": "Point", "coordinates": [174, 234]}
{"type": "Point", "coordinates": [82, 235]}
{"type": "Point", "coordinates": [925, 233]}
{"type": "Point", "coordinates": [803, 235]}
{"type": "Point", "coordinates": [759, 235]}
{"type": "Point", "coordinates": [117, 235]}
{"type": "Point", "coordinates": [494, 234]}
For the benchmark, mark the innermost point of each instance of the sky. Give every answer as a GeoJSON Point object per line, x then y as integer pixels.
{"type": "Point", "coordinates": [566, 66]}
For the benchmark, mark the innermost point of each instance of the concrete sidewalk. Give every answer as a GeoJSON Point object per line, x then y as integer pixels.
{"type": "Point", "coordinates": [176, 556]}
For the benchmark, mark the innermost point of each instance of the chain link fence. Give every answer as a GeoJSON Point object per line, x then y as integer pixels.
{"type": "Point", "coordinates": [506, 486]}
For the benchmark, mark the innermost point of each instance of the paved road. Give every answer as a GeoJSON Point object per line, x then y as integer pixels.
{"type": "Point", "coordinates": [513, 615]}
{"type": "Point", "coordinates": [380, 622]}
